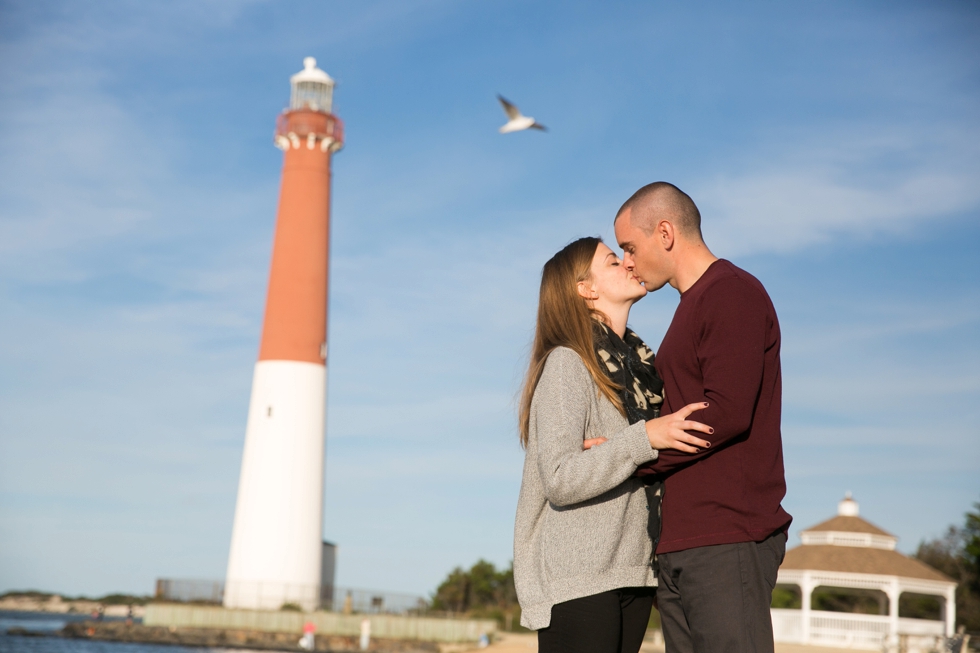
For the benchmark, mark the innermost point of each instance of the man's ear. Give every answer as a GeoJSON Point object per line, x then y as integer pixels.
{"type": "Point", "coordinates": [666, 234]}
{"type": "Point", "coordinates": [586, 289]}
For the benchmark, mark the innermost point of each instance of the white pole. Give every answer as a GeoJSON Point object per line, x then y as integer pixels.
{"type": "Point", "coordinates": [806, 587]}
{"type": "Point", "coordinates": [365, 634]}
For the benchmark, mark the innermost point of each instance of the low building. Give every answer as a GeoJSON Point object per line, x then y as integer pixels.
{"type": "Point", "coordinates": [849, 553]}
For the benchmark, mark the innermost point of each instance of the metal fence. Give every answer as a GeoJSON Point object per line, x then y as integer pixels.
{"type": "Point", "coordinates": [188, 590]}
{"type": "Point", "coordinates": [350, 600]}
{"type": "Point", "coordinates": [347, 600]}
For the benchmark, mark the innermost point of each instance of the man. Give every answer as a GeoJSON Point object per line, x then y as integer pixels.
{"type": "Point", "coordinates": [724, 530]}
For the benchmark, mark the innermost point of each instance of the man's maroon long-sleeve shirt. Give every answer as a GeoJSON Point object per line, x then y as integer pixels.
{"type": "Point", "coordinates": [722, 348]}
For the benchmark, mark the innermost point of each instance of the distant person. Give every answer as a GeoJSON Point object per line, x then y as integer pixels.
{"type": "Point", "coordinates": [724, 530]}
{"type": "Point", "coordinates": [582, 556]}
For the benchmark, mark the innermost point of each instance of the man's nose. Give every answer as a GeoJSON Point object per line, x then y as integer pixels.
{"type": "Point", "coordinates": [628, 261]}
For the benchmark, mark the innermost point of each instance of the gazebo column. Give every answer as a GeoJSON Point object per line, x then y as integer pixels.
{"type": "Point", "coordinates": [806, 594]}
{"type": "Point", "coordinates": [893, 590]}
{"type": "Point", "coordinates": [949, 610]}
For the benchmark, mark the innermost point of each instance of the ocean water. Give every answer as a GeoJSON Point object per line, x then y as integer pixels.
{"type": "Point", "coordinates": [46, 622]}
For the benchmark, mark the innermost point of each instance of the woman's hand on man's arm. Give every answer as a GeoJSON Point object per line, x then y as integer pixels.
{"type": "Point", "coordinates": [670, 431]}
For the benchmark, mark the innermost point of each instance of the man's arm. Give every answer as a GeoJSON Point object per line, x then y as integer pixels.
{"type": "Point", "coordinates": [732, 329]}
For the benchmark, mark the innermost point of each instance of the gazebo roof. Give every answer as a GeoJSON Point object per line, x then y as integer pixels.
{"type": "Point", "coordinates": [847, 524]}
{"type": "Point", "coordinates": [848, 544]}
{"type": "Point", "coordinates": [859, 560]}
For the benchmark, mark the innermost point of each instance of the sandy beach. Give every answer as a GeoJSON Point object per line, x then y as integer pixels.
{"type": "Point", "coordinates": [528, 643]}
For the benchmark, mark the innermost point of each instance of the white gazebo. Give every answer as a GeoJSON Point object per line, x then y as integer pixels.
{"type": "Point", "coordinates": [851, 553]}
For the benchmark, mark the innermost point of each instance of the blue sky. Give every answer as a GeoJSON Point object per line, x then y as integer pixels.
{"type": "Point", "coordinates": [834, 150]}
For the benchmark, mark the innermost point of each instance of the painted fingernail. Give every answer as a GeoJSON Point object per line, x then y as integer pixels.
{"type": "Point", "coordinates": [706, 444]}
{"type": "Point", "coordinates": [710, 430]}
{"type": "Point", "coordinates": [696, 450]}
{"type": "Point", "coordinates": [706, 403]}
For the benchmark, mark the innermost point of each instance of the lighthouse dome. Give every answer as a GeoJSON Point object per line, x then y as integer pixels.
{"type": "Point", "coordinates": [311, 88]}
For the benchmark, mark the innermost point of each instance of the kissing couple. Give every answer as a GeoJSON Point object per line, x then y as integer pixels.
{"type": "Point", "coordinates": [626, 501]}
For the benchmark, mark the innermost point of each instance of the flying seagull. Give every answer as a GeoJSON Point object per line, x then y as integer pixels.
{"type": "Point", "coordinates": [516, 121]}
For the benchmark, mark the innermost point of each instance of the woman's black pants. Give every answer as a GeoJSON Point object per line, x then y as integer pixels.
{"type": "Point", "coordinates": [610, 622]}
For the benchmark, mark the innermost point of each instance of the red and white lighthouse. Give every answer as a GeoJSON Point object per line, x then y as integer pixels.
{"type": "Point", "coordinates": [276, 543]}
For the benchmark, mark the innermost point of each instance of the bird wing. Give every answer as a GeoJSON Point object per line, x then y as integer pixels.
{"type": "Point", "coordinates": [538, 126]}
{"type": "Point", "coordinates": [512, 111]}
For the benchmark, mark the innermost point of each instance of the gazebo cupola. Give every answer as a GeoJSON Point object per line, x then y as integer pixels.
{"type": "Point", "coordinates": [848, 553]}
{"type": "Point", "coordinates": [847, 529]}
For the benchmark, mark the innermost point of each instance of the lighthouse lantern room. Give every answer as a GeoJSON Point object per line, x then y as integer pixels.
{"type": "Point", "coordinates": [312, 88]}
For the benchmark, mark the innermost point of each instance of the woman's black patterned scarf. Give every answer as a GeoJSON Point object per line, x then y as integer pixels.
{"type": "Point", "coordinates": [629, 363]}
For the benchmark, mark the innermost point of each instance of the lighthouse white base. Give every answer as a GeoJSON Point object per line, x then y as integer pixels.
{"type": "Point", "coordinates": [276, 541]}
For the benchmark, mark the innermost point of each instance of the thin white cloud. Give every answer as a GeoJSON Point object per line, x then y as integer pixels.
{"type": "Point", "coordinates": [862, 323]}
{"type": "Point", "coordinates": [77, 168]}
{"type": "Point", "coordinates": [852, 184]}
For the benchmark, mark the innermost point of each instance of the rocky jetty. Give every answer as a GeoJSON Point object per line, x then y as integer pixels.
{"type": "Point", "coordinates": [56, 604]}
{"type": "Point", "coordinates": [227, 638]}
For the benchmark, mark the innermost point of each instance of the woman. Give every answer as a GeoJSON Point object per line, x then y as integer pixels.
{"type": "Point", "coordinates": [582, 555]}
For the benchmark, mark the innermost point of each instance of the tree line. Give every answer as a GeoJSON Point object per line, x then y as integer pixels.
{"type": "Point", "coordinates": [957, 554]}
{"type": "Point", "coordinates": [481, 592]}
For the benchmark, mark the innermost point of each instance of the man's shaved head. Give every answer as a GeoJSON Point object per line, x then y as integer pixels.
{"type": "Point", "coordinates": [663, 200]}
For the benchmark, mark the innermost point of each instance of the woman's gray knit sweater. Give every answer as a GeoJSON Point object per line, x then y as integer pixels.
{"type": "Point", "coordinates": [581, 517]}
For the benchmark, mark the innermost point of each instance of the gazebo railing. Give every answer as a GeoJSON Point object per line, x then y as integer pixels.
{"type": "Point", "coordinates": [865, 631]}
{"type": "Point", "coordinates": [921, 627]}
{"type": "Point", "coordinates": [840, 629]}
{"type": "Point", "coordinates": [787, 625]}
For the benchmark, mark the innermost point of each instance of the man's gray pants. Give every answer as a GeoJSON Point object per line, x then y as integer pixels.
{"type": "Point", "coordinates": [715, 599]}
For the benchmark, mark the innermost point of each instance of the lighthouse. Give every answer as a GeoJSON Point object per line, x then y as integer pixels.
{"type": "Point", "coordinates": [277, 551]}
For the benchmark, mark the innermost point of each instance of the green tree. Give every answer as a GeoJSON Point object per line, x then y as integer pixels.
{"type": "Point", "coordinates": [971, 547]}
{"type": "Point", "coordinates": [480, 592]}
{"type": "Point", "coordinates": [484, 585]}
{"type": "Point", "coordinates": [957, 554]}
{"type": "Point", "coordinates": [452, 595]}
{"type": "Point", "coordinates": [787, 597]}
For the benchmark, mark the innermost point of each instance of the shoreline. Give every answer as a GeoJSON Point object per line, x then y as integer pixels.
{"type": "Point", "coordinates": [54, 604]}
{"type": "Point", "coordinates": [120, 631]}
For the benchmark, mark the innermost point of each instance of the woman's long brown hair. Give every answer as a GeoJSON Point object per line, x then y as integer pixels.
{"type": "Point", "coordinates": [565, 320]}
